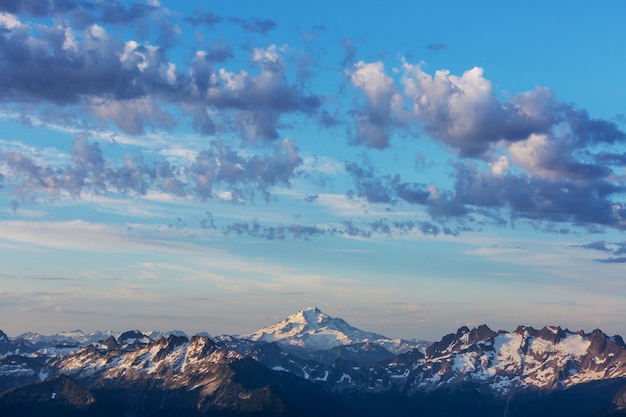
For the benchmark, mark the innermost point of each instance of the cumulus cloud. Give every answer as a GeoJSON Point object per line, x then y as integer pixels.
{"type": "Point", "coordinates": [382, 103]}
{"type": "Point", "coordinates": [465, 113]}
{"type": "Point", "coordinates": [525, 156]}
{"type": "Point", "coordinates": [135, 84]}
{"type": "Point", "coordinates": [538, 150]}
{"type": "Point", "coordinates": [259, 101]}
{"type": "Point", "coordinates": [462, 111]}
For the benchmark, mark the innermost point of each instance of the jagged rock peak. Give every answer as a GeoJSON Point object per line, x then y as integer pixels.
{"type": "Point", "coordinates": [133, 336]}
{"type": "Point", "coordinates": [111, 343]}
{"type": "Point", "coordinates": [176, 340]}
{"type": "Point", "coordinates": [463, 337]}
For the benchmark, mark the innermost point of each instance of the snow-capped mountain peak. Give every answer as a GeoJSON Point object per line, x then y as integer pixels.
{"type": "Point", "coordinates": [312, 329]}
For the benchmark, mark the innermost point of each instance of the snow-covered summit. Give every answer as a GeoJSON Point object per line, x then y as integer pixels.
{"type": "Point", "coordinates": [312, 329]}
{"type": "Point", "coordinates": [77, 337]}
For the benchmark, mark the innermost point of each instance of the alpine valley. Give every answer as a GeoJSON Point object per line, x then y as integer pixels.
{"type": "Point", "coordinates": [311, 364]}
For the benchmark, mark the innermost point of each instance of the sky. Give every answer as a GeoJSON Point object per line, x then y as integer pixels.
{"type": "Point", "coordinates": [216, 166]}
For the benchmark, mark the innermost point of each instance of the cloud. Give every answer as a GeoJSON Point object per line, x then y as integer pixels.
{"type": "Point", "coordinates": [135, 85]}
{"type": "Point", "coordinates": [404, 227]}
{"type": "Point", "coordinates": [462, 111]}
{"type": "Point", "coordinates": [616, 249]}
{"type": "Point", "coordinates": [596, 245]}
{"type": "Point", "coordinates": [538, 150]}
{"type": "Point", "coordinates": [83, 11]}
{"type": "Point", "coordinates": [259, 101]}
{"type": "Point", "coordinates": [206, 19]}
{"type": "Point", "coordinates": [243, 176]}
{"type": "Point", "coordinates": [261, 26]}
{"type": "Point", "coordinates": [215, 169]}
{"type": "Point", "coordinates": [611, 260]}
{"type": "Point", "coordinates": [546, 199]}
{"type": "Point", "coordinates": [278, 232]}
{"type": "Point", "coordinates": [349, 52]}
{"type": "Point", "coordinates": [436, 47]}
{"type": "Point", "coordinates": [523, 156]}
{"type": "Point", "coordinates": [465, 113]}
{"type": "Point", "coordinates": [492, 193]}
{"type": "Point", "coordinates": [382, 101]}
{"type": "Point", "coordinates": [219, 51]}
{"type": "Point", "coordinates": [386, 189]}
{"type": "Point", "coordinates": [132, 115]}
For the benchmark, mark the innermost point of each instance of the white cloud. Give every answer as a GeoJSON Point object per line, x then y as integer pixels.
{"type": "Point", "coordinates": [529, 153]}
{"type": "Point", "coordinates": [9, 21]}
{"type": "Point", "coordinates": [500, 166]}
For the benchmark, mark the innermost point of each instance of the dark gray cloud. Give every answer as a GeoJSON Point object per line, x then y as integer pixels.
{"type": "Point", "coordinates": [408, 226]}
{"type": "Point", "coordinates": [262, 26]}
{"type": "Point", "coordinates": [620, 260]}
{"type": "Point", "coordinates": [555, 200]}
{"type": "Point", "coordinates": [615, 249]}
{"type": "Point", "coordinates": [278, 232]}
{"type": "Point", "coordinates": [353, 230]}
{"type": "Point", "coordinates": [596, 245]}
{"type": "Point", "coordinates": [374, 189]}
{"type": "Point", "coordinates": [220, 51]}
{"type": "Point", "coordinates": [384, 189]}
{"type": "Point", "coordinates": [502, 198]}
{"type": "Point", "coordinates": [608, 158]}
{"type": "Point", "coordinates": [118, 13]}
{"type": "Point", "coordinates": [39, 8]}
{"type": "Point", "coordinates": [206, 19]}
{"type": "Point", "coordinates": [436, 47]}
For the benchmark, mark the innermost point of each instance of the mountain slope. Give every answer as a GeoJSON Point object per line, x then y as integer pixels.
{"type": "Point", "coordinates": [192, 377]}
{"type": "Point", "coordinates": [311, 329]}
{"type": "Point", "coordinates": [279, 370]}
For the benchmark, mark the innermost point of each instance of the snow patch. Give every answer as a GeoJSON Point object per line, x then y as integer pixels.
{"type": "Point", "coordinates": [574, 345]}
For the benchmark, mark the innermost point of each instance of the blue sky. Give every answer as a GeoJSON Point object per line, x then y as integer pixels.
{"type": "Point", "coordinates": [216, 166]}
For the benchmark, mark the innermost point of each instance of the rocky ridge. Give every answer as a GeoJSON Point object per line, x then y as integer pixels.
{"type": "Point", "coordinates": [504, 364]}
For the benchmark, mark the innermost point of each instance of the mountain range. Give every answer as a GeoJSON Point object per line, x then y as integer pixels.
{"type": "Point", "coordinates": [312, 364]}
